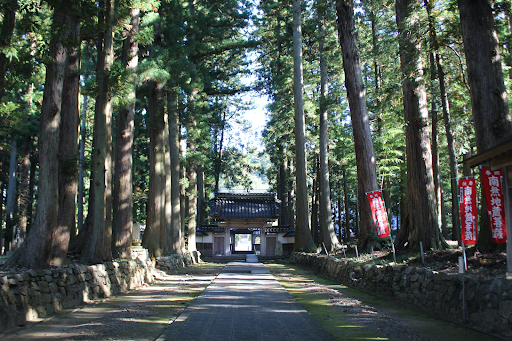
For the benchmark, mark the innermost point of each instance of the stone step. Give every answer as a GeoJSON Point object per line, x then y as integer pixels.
{"type": "Point", "coordinates": [251, 258]}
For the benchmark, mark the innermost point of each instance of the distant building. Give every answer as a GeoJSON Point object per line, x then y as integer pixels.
{"type": "Point", "coordinates": [246, 222]}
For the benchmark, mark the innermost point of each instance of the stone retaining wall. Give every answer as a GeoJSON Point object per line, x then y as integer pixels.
{"type": "Point", "coordinates": [37, 293]}
{"type": "Point", "coordinates": [176, 261]}
{"type": "Point", "coordinates": [488, 300]}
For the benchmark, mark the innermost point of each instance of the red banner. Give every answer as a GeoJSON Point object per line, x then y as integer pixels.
{"type": "Point", "coordinates": [467, 199]}
{"type": "Point", "coordinates": [495, 203]}
{"type": "Point", "coordinates": [380, 217]}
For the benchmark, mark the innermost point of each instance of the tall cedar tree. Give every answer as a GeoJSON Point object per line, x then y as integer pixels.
{"type": "Point", "coordinates": [97, 246]}
{"type": "Point", "coordinates": [303, 238]}
{"type": "Point", "coordinates": [454, 174]}
{"type": "Point", "coordinates": [68, 150]}
{"type": "Point", "coordinates": [491, 117]}
{"type": "Point", "coordinates": [365, 155]}
{"type": "Point", "coordinates": [123, 201]}
{"type": "Point", "coordinates": [421, 223]}
{"type": "Point", "coordinates": [154, 233]}
{"type": "Point", "coordinates": [36, 251]}
{"type": "Point", "coordinates": [9, 9]}
{"type": "Point", "coordinates": [326, 225]}
{"type": "Point", "coordinates": [174, 137]}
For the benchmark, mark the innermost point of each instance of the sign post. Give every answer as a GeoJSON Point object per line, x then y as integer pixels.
{"type": "Point", "coordinates": [380, 217]}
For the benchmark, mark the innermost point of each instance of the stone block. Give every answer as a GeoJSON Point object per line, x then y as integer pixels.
{"type": "Point", "coordinates": [43, 286]}
{"type": "Point", "coordinates": [53, 287]}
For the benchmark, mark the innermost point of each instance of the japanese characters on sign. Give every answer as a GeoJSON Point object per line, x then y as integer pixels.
{"type": "Point", "coordinates": [495, 203]}
{"type": "Point", "coordinates": [467, 199]}
{"type": "Point", "coordinates": [380, 217]}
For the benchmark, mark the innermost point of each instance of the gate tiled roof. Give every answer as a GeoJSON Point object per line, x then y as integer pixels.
{"type": "Point", "coordinates": [245, 205]}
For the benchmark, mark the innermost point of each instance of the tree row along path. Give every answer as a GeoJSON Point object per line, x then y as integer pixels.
{"type": "Point", "coordinates": [144, 314]}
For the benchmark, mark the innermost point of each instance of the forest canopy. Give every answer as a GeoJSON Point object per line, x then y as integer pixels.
{"type": "Point", "coordinates": [121, 112]}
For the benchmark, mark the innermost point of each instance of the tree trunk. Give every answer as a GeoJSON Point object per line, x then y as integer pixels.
{"type": "Point", "coordinates": [123, 201]}
{"type": "Point", "coordinates": [35, 252]}
{"type": "Point", "coordinates": [283, 195]}
{"type": "Point", "coordinates": [435, 147]}
{"type": "Point", "coordinates": [218, 162]}
{"type": "Point", "coordinates": [68, 149]}
{"type": "Point", "coordinates": [491, 117]}
{"type": "Point", "coordinates": [365, 155]}
{"type": "Point", "coordinates": [347, 207]}
{"type": "Point", "coordinates": [200, 196]}
{"type": "Point", "coordinates": [174, 137]}
{"type": "Point", "coordinates": [421, 223]}
{"type": "Point", "coordinates": [183, 209]}
{"type": "Point", "coordinates": [24, 192]}
{"type": "Point", "coordinates": [81, 195]}
{"type": "Point", "coordinates": [9, 9]}
{"type": "Point", "coordinates": [109, 60]}
{"type": "Point", "coordinates": [156, 194]}
{"type": "Point", "coordinates": [326, 225]}
{"type": "Point", "coordinates": [31, 187]}
{"type": "Point", "coordinates": [167, 204]}
{"type": "Point", "coordinates": [11, 196]}
{"type": "Point", "coordinates": [303, 239]}
{"type": "Point", "coordinates": [191, 197]}
{"type": "Point", "coordinates": [97, 247]}
{"type": "Point", "coordinates": [315, 232]}
{"type": "Point", "coordinates": [454, 174]}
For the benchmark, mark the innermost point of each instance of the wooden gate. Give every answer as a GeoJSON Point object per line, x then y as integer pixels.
{"type": "Point", "coordinates": [271, 246]}
{"type": "Point", "coordinates": [218, 246]}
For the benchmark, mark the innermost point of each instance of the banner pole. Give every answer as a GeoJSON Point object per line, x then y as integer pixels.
{"type": "Point", "coordinates": [464, 256]}
{"type": "Point", "coordinates": [422, 256]}
{"type": "Point", "coordinates": [393, 248]}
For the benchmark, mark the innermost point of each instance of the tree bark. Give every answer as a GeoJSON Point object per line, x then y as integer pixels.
{"type": "Point", "coordinates": [421, 223]}
{"type": "Point", "coordinates": [123, 200]}
{"type": "Point", "coordinates": [24, 192]}
{"type": "Point", "coordinates": [435, 147]}
{"type": "Point", "coordinates": [200, 196]}
{"type": "Point", "coordinates": [174, 137]}
{"type": "Point", "coordinates": [303, 239]}
{"type": "Point", "coordinates": [68, 149]}
{"type": "Point", "coordinates": [445, 104]}
{"type": "Point", "coordinates": [326, 225]}
{"type": "Point", "coordinates": [491, 117]}
{"type": "Point", "coordinates": [97, 247]}
{"type": "Point", "coordinates": [167, 204]}
{"type": "Point", "coordinates": [315, 232]}
{"type": "Point", "coordinates": [347, 207]}
{"type": "Point", "coordinates": [9, 9]}
{"type": "Point", "coordinates": [356, 93]}
{"type": "Point", "coordinates": [81, 195]}
{"type": "Point", "coordinates": [11, 196]}
{"type": "Point", "coordinates": [35, 252]}
{"type": "Point", "coordinates": [191, 196]}
{"type": "Point", "coordinates": [156, 194]}
{"type": "Point", "coordinates": [283, 195]}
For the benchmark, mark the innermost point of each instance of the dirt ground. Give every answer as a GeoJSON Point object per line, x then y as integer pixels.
{"type": "Point", "coordinates": [447, 261]}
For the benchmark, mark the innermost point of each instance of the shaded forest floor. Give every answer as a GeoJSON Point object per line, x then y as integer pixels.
{"type": "Point", "coordinates": [493, 264]}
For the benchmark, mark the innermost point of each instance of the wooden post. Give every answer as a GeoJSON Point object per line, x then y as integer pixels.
{"type": "Point", "coordinates": [508, 218]}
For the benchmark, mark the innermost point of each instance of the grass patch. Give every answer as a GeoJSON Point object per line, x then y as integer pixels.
{"type": "Point", "coordinates": [335, 323]}
{"type": "Point", "coordinates": [342, 327]}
